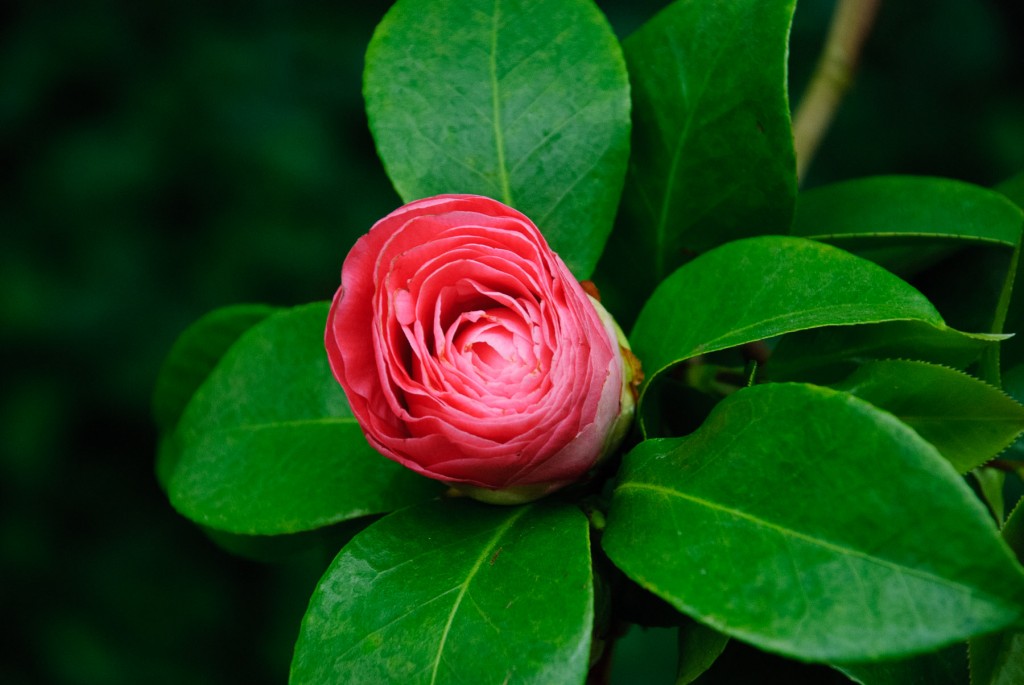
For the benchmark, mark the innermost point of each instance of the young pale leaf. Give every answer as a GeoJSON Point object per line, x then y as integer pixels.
{"type": "Point", "coordinates": [268, 446]}
{"type": "Point", "coordinates": [998, 659]}
{"type": "Point", "coordinates": [761, 287]}
{"type": "Point", "coordinates": [524, 102]}
{"type": "Point", "coordinates": [873, 210]}
{"type": "Point", "coordinates": [807, 522]}
{"type": "Point", "coordinates": [967, 420]}
{"type": "Point", "coordinates": [712, 157]}
{"type": "Point", "coordinates": [454, 592]}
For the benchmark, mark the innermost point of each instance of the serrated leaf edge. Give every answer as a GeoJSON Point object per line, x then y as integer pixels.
{"type": "Point", "coordinates": [997, 389]}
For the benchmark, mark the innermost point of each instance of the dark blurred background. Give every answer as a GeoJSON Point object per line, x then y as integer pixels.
{"type": "Point", "coordinates": [166, 158]}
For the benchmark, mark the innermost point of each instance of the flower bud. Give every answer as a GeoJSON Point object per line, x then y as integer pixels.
{"type": "Point", "coordinates": [470, 354]}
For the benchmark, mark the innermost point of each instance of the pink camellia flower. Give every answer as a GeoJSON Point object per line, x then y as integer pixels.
{"type": "Point", "coordinates": [470, 354]}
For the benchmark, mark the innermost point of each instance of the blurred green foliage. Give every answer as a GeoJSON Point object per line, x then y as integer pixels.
{"type": "Point", "coordinates": [167, 158]}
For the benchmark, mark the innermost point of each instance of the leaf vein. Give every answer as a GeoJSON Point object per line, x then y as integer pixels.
{"type": "Point", "coordinates": [270, 425]}
{"type": "Point", "coordinates": [818, 542]}
{"type": "Point", "coordinates": [499, 138]}
{"type": "Point", "coordinates": [464, 587]}
{"type": "Point", "coordinates": [681, 140]}
{"type": "Point", "coordinates": [341, 657]}
{"type": "Point", "coordinates": [710, 345]}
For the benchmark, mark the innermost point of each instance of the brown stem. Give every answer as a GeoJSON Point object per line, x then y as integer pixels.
{"type": "Point", "coordinates": [851, 23]}
{"type": "Point", "coordinates": [601, 672]}
{"type": "Point", "coordinates": [1007, 465]}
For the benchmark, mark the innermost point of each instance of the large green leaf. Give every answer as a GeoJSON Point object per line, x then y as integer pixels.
{"type": "Point", "coordinates": [831, 353]}
{"type": "Point", "coordinates": [712, 152]}
{"type": "Point", "coordinates": [907, 223]}
{"type": "Point", "coordinates": [807, 522]}
{"type": "Point", "coordinates": [880, 209]}
{"type": "Point", "coordinates": [525, 102]}
{"type": "Point", "coordinates": [267, 445]}
{"type": "Point", "coordinates": [454, 592]}
{"type": "Point", "coordinates": [967, 420]}
{"type": "Point", "coordinates": [761, 287]}
{"type": "Point", "coordinates": [998, 659]}
{"type": "Point", "coordinates": [194, 355]}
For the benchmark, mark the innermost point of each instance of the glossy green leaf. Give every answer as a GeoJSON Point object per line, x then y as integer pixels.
{"type": "Point", "coordinates": [966, 419]}
{"type": "Point", "coordinates": [907, 223]}
{"type": "Point", "coordinates": [807, 522]}
{"type": "Point", "coordinates": [879, 209]}
{"type": "Point", "coordinates": [267, 445]}
{"type": "Point", "coordinates": [712, 157]}
{"type": "Point", "coordinates": [699, 647]}
{"type": "Point", "coordinates": [194, 354]}
{"type": "Point", "coordinates": [761, 287]}
{"type": "Point", "coordinates": [454, 592]}
{"type": "Point", "coordinates": [998, 659]}
{"type": "Point", "coordinates": [947, 666]}
{"type": "Point", "coordinates": [829, 354]}
{"type": "Point", "coordinates": [525, 102]}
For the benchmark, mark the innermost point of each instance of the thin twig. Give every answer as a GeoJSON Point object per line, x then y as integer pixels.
{"type": "Point", "coordinates": [851, 23]}
{"type": "Point", "coordinates": [1005, 465]}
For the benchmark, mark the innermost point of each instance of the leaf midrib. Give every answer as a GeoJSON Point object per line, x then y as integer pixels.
{"type": "Point", "coordinates": [844, 552]}
{"type": "Point", "coordinates": [499, 138]}
{"type": "Point", "coordinates": [741, 335]}
{"type": "Point", "coordinates": [860, 235]}
{"type": "Point", "coordinates": [681, 143]}
{"type": "Point", "coordinates": [487, 551]}
{"type": "Point", "coordinates": [270, 425]}
{"type": "Point", "coordinates": [947, 418]}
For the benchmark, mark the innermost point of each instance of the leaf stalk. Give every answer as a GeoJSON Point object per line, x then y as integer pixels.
{"type": "Point", "coordinates": [833, 75]}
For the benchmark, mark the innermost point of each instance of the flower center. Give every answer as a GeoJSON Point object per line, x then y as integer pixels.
{"type": "Point", "coordinates": [494, 344]}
